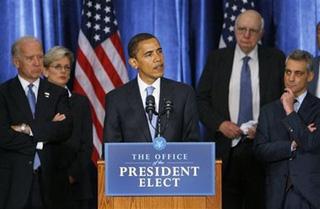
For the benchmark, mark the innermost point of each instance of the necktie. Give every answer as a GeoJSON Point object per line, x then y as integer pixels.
{"type": "Point", "coordinates": [32, 103]}
{"type": "Point", "coordinates": [296, 105]}
{"type": "Point", "coordinates": [245, 107]}
{"type": "Point", "coordinates": [153, 124]}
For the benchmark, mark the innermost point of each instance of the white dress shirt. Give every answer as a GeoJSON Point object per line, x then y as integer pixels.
{"type": "Point", "coordinates": [234, 85]}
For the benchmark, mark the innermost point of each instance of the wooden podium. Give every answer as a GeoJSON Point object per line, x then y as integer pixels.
{"type": "Point", "coordinates": [159, 202]}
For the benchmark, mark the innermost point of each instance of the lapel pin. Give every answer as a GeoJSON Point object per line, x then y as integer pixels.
{"type": "Point", "coordinates": [46, 94]}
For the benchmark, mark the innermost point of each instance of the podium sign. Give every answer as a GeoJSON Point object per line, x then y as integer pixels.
{"type": "Point", "coordinates": [137, 169]}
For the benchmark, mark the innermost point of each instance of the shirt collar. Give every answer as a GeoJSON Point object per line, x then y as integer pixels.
{"type": "Point", "coordinates": [25, 83]}
{"type": "Point", "coordinates": [143, 85]}
{"type": "Point", "coordinates": [253, 54]}
{"type": "Point", "coordinates": [301, 97]}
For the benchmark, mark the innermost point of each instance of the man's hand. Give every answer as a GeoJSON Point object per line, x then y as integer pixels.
{"type": "Point", "coordinates": [22, 128]}
{"type": "Point", "coordinates": [251, 133]}
{"type": "Point", "coordinates": [312, 127]}
{"type": "Point", "coordinates": [287, 100]}
{"type": "Point", "coordinates": [58, 117]}
{"type": "Point", "coordinates": [230, 129]}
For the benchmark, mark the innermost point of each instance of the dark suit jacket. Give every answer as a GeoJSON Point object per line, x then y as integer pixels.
{"type": "Point", "coordinates": [213, 90]}
{"type": "Point", "coordinates": [17, 150]}
{"type": "Point", "coordinates": [126, 120]}
{"type": "Point", "coordinates": [275, 132]}
{"type": "Point", "coordinates": [313, 84]}
{"type": "Point", "coordinates": [75, 154]}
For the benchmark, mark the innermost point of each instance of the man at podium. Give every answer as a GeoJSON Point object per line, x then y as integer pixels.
{"type": "Point", "coordinates": [150, 105]}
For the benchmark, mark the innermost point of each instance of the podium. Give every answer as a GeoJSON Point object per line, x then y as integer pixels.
{"type": "Point", "coordinates": [159, 202]}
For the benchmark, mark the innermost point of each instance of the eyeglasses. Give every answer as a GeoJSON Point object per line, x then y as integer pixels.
{"type": "Point", "coordinates": [244, 30]}
{"type": "Point", "coordinates": [60, 68]}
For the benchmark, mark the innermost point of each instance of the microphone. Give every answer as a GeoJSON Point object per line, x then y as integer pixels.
{"type": "Point", "coordinates": [150, 106]}
{"type": "Point", "coordinates": [168, 108]}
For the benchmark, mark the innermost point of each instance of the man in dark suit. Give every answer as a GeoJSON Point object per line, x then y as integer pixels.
{"type": "Point", "coordinates": [34, 116]}
{"type": "Point", "coordinates": [126, 119]}
{"type": "Point", "coordinates": [288, 140]}
{"type": "Point", "coordinates": [314, 87]}
{"type": "Point", "coordinates": [222, 97]}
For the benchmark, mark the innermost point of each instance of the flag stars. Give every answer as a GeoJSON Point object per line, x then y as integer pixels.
{"type": "Point", "coordinates": [252, 4]}
{"type": "Point", "coordinates": [245, 1]}
{"type": "Point", "coordinates": [231, 28]}
{"type": "Point", "coordinates": [230, 38]}
{"type": "Point", "coordinates": [97, 6]}
{"type": "Point", "coordinates": [233, 18]}
{"type": "Point", "coordinates": [227, 4]}
{"type": "Point", "coordinates": [89, 14]}
{"type": "Point", "coordinates": [224, 25]}
{"type": "Point", "coordinates": [115, 22]}
{"type": "Point", "coordinates": [97, 17]}
{"type": "Point", "coordinates": [243, 10]}
{"type": "Point", "coordinates": [96, 37]}
{"type": "Point", "coordinates": [88, 24]}
{"type": "Point", "coordinates": [107, 19]}
{"type": "Point", "coordinates": [89, 4]}
{"type": "Point", "coordinates": [106, 29]}
{"type": "Point", "coordinates": [96, 27]}
{"type": "Point", "coordinates": [234, 8]}
{"type": "Point", "coordinates": [225, 15]}
{"type": "Point", "coordinates": [107, 9]}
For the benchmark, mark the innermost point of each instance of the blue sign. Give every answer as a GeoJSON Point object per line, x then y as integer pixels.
{"type": "Point", "coordinates": [140, 169]}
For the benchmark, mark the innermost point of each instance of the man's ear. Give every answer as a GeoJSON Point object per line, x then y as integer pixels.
{"type": "Point", "coordinates": [133, 63]}
{"type": "Point", "coordinates": [310, 76]}
{"type": "Point", "coordinates": [16, 62]}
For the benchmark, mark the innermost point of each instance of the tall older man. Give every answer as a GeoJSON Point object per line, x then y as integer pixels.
{"type": "Point", "coordinates": [34, 117]}
{"type": "Point", "coordinates": [235, 83]}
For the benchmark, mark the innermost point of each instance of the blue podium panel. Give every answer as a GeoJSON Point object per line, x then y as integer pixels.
{"type": "Point", "coordinates": [141, 169]}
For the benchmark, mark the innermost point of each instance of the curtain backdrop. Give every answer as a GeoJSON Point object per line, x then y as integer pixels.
{"type": "Point", "coordinates": [187, 29]}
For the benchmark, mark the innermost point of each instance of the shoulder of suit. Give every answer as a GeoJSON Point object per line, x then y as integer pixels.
{"type": "Point", "coordinates": [271, 51]}
{"type": "Point", "coordinates": [6, 85]}
{"type": "Point", "coordinates": [124, 88]}
{"type": "Point", "coordinates": [176, 84]}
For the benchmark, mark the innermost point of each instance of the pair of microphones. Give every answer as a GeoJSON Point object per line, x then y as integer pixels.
{"type": "Point", "coordinates": [151, 110]}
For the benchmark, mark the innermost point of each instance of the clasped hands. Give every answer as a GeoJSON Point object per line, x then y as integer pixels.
{"type": "Point", "coordinates": [25, 128]}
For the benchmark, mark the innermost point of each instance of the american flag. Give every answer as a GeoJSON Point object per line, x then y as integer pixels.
{"type": "Point", "coordinates": [100, 62]}
{"type": "Point", "coordinates": [232, 8]}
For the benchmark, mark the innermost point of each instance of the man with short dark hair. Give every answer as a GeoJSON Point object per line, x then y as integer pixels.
{"type": "Point", "coordinates": [126, 119]}
{"type": "Point", "coordinates": [288, 140]}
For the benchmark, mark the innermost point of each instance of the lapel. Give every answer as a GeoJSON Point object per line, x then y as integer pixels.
{"type": "Point", "coordinates": [264, 74]}
{"type": "Point", "coordinates": [20, 98]}
{"type": "Point", "coordinates": [136, 105]}
{"type": "Point", "coordinates": [43, 98]}
{"type": "Point", "coordinates": [307, 110]}
{"type": "Point", "coordinates": [224, 76]}
{"type": "Point", "coordinates": [314, 82]}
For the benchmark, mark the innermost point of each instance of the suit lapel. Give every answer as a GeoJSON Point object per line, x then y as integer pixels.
{"type": "Point", "coordinates": [308, 111]}
{"type": "Point", "coordinates": [42, 98]}
{"type": "Point", "coordinates": [19, 95]}
{"type": "Point", "coordinates": [264, 76]}
{"type": "Point", "coordinates": [135, 102]}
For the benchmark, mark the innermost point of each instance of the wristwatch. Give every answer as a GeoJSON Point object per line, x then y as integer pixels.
{"type": "Point", "coordinates": [23, 127]}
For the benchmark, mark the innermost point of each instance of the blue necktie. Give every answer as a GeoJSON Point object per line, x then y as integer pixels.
{"type": "Point", "coordinates": [153, 124]}
{"type": "Point", "coordinates": [32, 103]}
{"type": "Point", "coordinates": [245, 107]}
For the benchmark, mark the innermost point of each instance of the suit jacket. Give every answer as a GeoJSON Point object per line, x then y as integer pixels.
{"type": "Point", "coordinates": [126, 120]}
{"type": "Point", "coordinates": [213, 90]}
{"type": "Point", "coordinates": [17, 150]}
{"type": "Point", "coordinates": [275, 132]}
{"type": "Point", "coordinates": [74, 155]}
{"type": "Point", "coordinates": [314, 83]}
